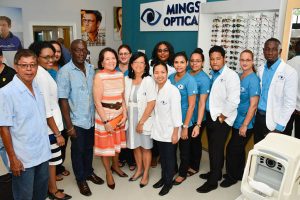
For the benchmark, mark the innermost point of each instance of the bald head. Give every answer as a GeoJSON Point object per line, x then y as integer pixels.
{"type": "Point", "coordinates": [79, 52]}
{"type": "Point", "coordinates": [76, 42]}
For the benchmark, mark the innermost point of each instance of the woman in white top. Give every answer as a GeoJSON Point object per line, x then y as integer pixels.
{"type": "Point", "coordinates": [167, 120]}
{"type": "Point", "coordinates": [140, 98]}
{"type": "Point", "coordinates": [45, 53]}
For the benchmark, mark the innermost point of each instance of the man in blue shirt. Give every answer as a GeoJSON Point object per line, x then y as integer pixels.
{"type": "Point", "coordinates": [277, 101]}
{"type": "Point", "coordinates": [24, 130]}
{"type": "Point", "coordinates": [75, 85]}
{"type": "Point", "coordinates": [8, 41]}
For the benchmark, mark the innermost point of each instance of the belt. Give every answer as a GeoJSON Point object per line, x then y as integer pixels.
{"type": "Point", "coordinates": [261, 112]}
{"type": "Point", "coordinates": [115, 106]}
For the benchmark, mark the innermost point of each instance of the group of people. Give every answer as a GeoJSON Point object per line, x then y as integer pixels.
{"type": "Point", "coordinates": [146, 106]}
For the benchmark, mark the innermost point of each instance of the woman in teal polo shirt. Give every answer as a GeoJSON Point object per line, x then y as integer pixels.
{"type": "Point", "coordinates": [243, 125]}
{"type": "Point", "coordinates": [198, 119]}
{"type": "Point", "coordinates": [187, 87]}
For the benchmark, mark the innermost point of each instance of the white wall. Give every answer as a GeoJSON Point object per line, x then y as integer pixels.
{"type": "Point", "coordinates": [64, 12]}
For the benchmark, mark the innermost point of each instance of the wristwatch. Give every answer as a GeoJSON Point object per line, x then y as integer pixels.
{"type": "Point", "coordinates": [185, 126]}
{"type": "Point", "coordinates": [199, 125]}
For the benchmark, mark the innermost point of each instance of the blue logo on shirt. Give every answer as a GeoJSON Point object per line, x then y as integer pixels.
{"type": "Point", "coordinates": [180, 86]}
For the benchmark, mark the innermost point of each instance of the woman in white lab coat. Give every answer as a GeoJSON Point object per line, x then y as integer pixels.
{"type": "Point", "coordinates": [140, 98]}
{"type": "Point", "coordinates": [167, 121]}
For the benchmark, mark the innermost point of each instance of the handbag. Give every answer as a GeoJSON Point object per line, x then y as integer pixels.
{"type": "Point", "coordinates": [115, 121]}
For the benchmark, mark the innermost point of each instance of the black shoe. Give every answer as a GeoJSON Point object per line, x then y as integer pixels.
{"type": "Point", "coordinates": [136, 178]}
{"type": "Point", "coordinates": [206, 176]}
{"type": "Point", "coordinates": [112, 186]}
{"type": "Point", "coordinates": [165, 190]}
{"type": "Point", "coordinates": [178, 183]}
{"type": "Point", "coordinates": [227, 182]}
{"type": "Point", "coordinates": [53, 196]}
{"type": "Point", "coordinates": [95, 179]}
{"type": "Point", "coordinates": [159, 184]}
{"type": "Point", "coordinates": [84, 188]}
{"type": "Point", "coordinates": [122, 174]}
{"type": "Point", "coordinates": [143, 185]}
{"type": "Point", "coordinates": [206, 187]}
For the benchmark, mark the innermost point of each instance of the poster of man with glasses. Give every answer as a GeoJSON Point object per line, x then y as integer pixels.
{"type": "Point", "coordinates": [93, 27]}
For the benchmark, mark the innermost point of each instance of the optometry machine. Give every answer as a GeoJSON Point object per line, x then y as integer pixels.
{"type": "Point", "coordinates": [272, 170]}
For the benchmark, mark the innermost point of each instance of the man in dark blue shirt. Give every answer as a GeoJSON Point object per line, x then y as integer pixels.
{"type": "Point", "coordinates": [8, 41]}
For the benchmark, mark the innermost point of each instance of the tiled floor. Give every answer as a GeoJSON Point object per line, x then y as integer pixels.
{"type": "Point", "coordinates": [126, 190]}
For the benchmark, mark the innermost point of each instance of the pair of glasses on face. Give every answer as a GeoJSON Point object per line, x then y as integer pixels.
{"type": "Point", "coordinates": [138, 63]}
{"type": "Point", "coordinates": [88, 21]}
{"type": "Point", "coordinates": [247, 60]}
{"type": "Point", "coordinates": [124, 54]}
{"type": "Point", "coordinates": [26, 66]}
{"type": "Point", "coordinates": [195, 61]}
{"type": "Point", "coordinates": [48, 58]}
{"type": "Point", "coordinates": [163, 50]}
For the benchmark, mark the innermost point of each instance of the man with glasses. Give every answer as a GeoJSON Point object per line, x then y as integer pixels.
{"type": "Point", "coordinates": [75, 81]}
{"type": "Point", "coordinates": [279, 83]}
{"type": "Point", "coordinates": [91, 21]}
{"type": "Point", "coordinates": [24, 130]}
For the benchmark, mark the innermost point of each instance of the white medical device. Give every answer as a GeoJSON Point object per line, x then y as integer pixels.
{"type": "Point", "coordinates": [273, 169]}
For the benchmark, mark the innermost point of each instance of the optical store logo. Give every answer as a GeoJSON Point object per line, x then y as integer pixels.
{"type": "Point", "coordinates": [175, 15]}
{"type": "Point", "coordinates": [151, 16]}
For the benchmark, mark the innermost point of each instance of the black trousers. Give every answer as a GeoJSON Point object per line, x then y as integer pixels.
{"type": "Point", "coordinates": [196, 149]}
{"type": "Point", "coordinates": [154, 150]}
{"type": "Point", "coordinates": [126, 155]}
{"type": "Point", "coordinates": [60, 168]}
{"type": "Point", "coordinates": [217, 134]}
{"type": "Point", "coordinates": [261, 130]}
{"type": "Point", "coordinates": [297, 126]}
{"type": "Point", "coordinates": [235, 154]}
{"type": "Point", "coordinates": [289, 127]}
{"type": "Point", "coordinates": [167, 160]}
{"type": "Point", "coordinates": [185, 151]}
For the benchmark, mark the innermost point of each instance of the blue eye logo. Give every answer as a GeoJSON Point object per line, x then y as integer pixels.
{"type": "Point", "coordinates": [149, 16]}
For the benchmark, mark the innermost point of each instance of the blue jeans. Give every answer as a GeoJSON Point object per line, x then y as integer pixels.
{"type": "Point", "coordinates": [32, 184]}
{"type": "Point", "coordinates": [82, 153]}
{"type": "Point", "coordinates": [3, 155]}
